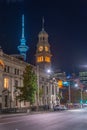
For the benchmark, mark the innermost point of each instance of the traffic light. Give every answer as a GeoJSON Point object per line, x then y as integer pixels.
{"type": "Point", "coordinates": [60, 83]}
{"type": "Point", "coordinates": [86, 102]}
{"type": "Point", "coordinates": [81, 101]}
{"type": "Point", "coordinates": [65, 84]}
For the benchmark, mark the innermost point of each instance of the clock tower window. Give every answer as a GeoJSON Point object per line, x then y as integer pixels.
{"type": "Point", "coordinates": [40, 59]}
{"type": "Point", "coordinates": [47, 59]}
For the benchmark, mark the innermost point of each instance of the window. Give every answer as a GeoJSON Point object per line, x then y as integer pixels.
{"type": "Point", "coordinates": [7, 69]}
{"type": "Point", "coordinates": [16, 71]}
{"type": "Point", "coordinates": [47, 59]}
{"type": "Point", "coordinates": [6, 83]}
{"type": "Point", "coordinates": [46, 48]}
{"type": "Point", "coordinates": [6, 101]}
{"type": "Point", "coordinates": [40, 59]}
{"type": "Point", "coordinates": [16, 83]}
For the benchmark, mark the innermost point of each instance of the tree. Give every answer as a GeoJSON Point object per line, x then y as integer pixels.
{"type": "Point", "coordinates": [27, 91]}
{"type": "Point", "coordinates": [59, 97]}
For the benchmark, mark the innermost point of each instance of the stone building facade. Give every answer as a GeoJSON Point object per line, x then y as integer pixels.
{"type": "Point", "coordinates": [11, 72]}
{"type": "Point", "coordinates": [10, 76]}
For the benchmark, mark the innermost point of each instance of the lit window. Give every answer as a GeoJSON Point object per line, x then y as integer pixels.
{"type": "Point", "coordinates": [46, 48]}
{"type": "Point", "coordinates": [47, 59]}
{"type": "Point", "coordinates": [40, 59]}
{"type": "Point", "coordinates": [80, 73]}
{"type": "Point", "coordinates": [83, 73]}
{"type": "Point", "coordinates": [86, 73]}
{"type": "Point", "coordinates": [6, 83]}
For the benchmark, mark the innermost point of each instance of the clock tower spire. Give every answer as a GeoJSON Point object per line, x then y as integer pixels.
{"type": "Point", "coordinates": [43, 52]}
{"type": "Point", "coordinates": [43, 24]}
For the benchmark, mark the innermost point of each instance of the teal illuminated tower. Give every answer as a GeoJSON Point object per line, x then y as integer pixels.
{"type": "Point", "coordinates": [23, 48]}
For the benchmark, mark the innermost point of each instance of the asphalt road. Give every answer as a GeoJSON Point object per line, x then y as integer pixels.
{"type": "Point", "coordinates": [66, 120]}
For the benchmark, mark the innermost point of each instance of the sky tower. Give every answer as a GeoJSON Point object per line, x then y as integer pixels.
{"type": "Point", "coordinates": [23, 48]}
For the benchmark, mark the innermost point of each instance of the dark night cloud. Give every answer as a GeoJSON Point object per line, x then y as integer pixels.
{"type": "Point", "coordinates": [11, 1]}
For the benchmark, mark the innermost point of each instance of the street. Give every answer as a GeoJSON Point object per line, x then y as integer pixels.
{"type": "Point", "coordinates": [65, 120]}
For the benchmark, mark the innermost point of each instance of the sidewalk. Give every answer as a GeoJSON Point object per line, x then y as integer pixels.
{"type": "Point", "coordinates": [22, 114]}
{"type": "Point", "coordinates": [25, 114]}
{"type": "Point", "coordinates": [12, 115]}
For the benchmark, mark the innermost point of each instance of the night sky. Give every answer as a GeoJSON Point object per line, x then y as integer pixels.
{"type": "Point", "coordinates": [65, 22]}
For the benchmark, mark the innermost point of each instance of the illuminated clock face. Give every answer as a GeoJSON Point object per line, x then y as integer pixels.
{"type": "Point", "coordinates": [41, 48]}
{"type": "Point", "coordinates": [46, 48]}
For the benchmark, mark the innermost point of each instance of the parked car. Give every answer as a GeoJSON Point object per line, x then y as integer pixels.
{"type": "Point", "coordinates": [59, 107]}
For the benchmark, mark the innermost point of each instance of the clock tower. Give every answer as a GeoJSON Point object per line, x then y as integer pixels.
{"type": "Point", "coordinates": [43, 53]}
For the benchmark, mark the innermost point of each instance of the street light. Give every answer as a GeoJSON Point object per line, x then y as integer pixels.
{"type": "Point", "coordinates": [48, 71]}
{"type": "Point", "coordinates": [52, 83]}
{"type": "Point", "coordinates": [81, 95]}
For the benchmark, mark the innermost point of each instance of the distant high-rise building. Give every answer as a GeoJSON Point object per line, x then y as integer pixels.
{"type": "Point", "coordinates": [43, 53]}
{"type": "Point", "coordinates": [23, 48]}
{"type": "Point", "coordinates": [83, 77]}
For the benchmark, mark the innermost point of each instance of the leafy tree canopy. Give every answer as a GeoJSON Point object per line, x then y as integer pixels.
{"type": "Point", "coordinates": [27, 92]}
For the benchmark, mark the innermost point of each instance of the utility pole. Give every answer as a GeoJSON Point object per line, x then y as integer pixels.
{"type": "Point", "coordinates": [81, 97]}
{"type": "Point", "coordinates": [38, 87]}
{"type": "Point", "coordinates": [69, 90]}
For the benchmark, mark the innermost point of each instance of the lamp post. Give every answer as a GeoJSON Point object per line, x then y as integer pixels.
{"type": "Point", "coordinates": [81, 95]}
{"type": "Point", "coordinates": [38, 87]}
{"type": "Point", "coordinates": [51, 81]}
{"type": "Point", "coordinates": [69, 91]}
{"type": "Point", "coordinates": [69, 88]}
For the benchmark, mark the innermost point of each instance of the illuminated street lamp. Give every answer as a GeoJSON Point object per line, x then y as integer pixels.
{"type": "Point", "coordinates": [48, 71]}
{"type": "Point", "coordinates": [53, 88]}
{"type": "Point", "coordinates": [81, 96]}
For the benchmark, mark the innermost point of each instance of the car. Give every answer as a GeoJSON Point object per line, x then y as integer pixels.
{"type": "Point", "coordinates": [59, 108]}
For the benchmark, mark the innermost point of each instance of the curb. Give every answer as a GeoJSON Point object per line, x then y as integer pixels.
{"type": "Point", "coordinates": [11, 115]}
{"type": "Point", "coordinates": [24, 114]}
